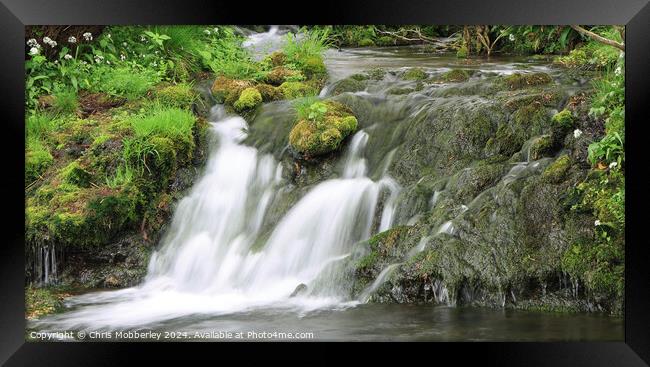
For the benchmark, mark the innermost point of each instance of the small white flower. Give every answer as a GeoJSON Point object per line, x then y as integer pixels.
{"type": "Point", "coordinates": [156, 52]}
{"type": "Point", "coordinates": [122, 57]}
{"type": "Point", "coordinates": [52, 43]}
{"type": "Point", "coordinates": [618, 71]}
{"type": "Point", "coordinates": [216, 30]}
{"type": "Point", "coordinates": [577, 133]}
{"type": "Point", "coordinates": [47, 40]}
{"type": "Point", "coordinates": [207, 31]}
{"type": "Point", "coordinates": [72, 39]}
{"type": "Point", "coordinates": [143, 39]}
{"type": "Point", "coordinates": [108, 35]}
{"type": "Point", "coordinates": [67, 57]}
{"type": "Point", "coordinates": [124, 44]}
{"type": "Point", "coordinates": [84, 63]}
{"type": "Point", "coordinates": [32, 42]}
{"type": "Point", "coordinates": [33, 51]}
{"type": "Point", "coordinates": [613, 164]}
{"type": "Point", "coordinates": [88, 36]}
{"type": "Point", "coordinates": [99, 58]}
{"type": "Point", "coordinates": [108, 62]}
{"type": "Point", "coordinates": [511, 37]}
{"type": "Point", "coordinates": [596, 223]}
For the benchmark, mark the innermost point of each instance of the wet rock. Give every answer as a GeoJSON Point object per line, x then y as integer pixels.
{"type": "Point", "coordinates": [300, 289]}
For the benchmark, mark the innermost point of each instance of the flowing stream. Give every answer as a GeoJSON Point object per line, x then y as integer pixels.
{"type": "Point", "coordinates": [210, 272]}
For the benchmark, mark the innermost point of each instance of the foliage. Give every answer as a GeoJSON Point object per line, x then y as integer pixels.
{"type": "Point", "coordinates": [327, 124]}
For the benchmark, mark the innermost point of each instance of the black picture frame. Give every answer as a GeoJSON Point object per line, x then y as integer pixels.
{"type": "Point", "coordinates": [635, 14]}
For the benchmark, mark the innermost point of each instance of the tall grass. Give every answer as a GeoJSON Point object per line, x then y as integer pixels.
{"type": "Point", "coordinates": [66, 101]}
{"type": "Point", "coordinates": [124, 81]}
{"type": "Point", "coordinates": [174, 122]}
{"type": "Point", "coordinates": [307, 43]}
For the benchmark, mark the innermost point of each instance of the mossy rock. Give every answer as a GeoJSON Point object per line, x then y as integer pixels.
{"type": "Point", "coordinates": [281, 74]}
{"type": "Point", "coordinates": [541, 147]}
{"type": "Point", "coordinates": [376, 73]}
{"type": "Point", "coordinates": [414, 74]}
{"type": "Point", "coordinates": [556, 171]}
{"type": "Point", "coordinates": [313, 66]}
{"type": "Point", "coordinates": [227, 90]}
{"type": "Point", "coordinates": [519, 80]}
{"type": "Point", "coordinates": [293, 90]}
{"type": "Point", "coordinates": [507, 140]}
{"type": "Point", "coordinates": [348, 85]}
{"type": "Point", "coordinates": [269, 93]}
{"type": "Point", "coordinates": [248, 99]}
{"type": "Point", "coordinates": [316, 137]}
{"type": "Point", "coordinates": [177, 95]}
{"type": "Point", "coordinates": [455, 76]}
{"type": "Point", "coordinates": [276, 58]}
{"type": "Point", "coordinates": [563, 119]}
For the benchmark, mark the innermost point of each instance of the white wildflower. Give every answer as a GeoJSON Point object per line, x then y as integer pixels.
{"type": "Point", "coordinates": [511, 37]}
{"type": "Point", "coordinates": [32, 42]}
{"type": "Point", "coordinates": [88, 36]}
{"type": "Point", "coordinates": [47, 40]}
{"type": "Point", "coordinates": [33, 51]}
{"type": "Point", "coordinates": [618, 71]}
{"type": "Point", "coordinates": [124, 44]}
{"type": "Point", "coordinates": [216, 30]}
{"type": "Point", "coordinates": [597, 223]}
{"type": "Point", "coordinates": [577, 133]}
{"type": "Point", "coordinates": [207, 31]}
{"type": "Point", "coordinates": [67, 57]}
{"type": "Point", "coordinates": [613, 165]}
{"type": "Point", "coordinates": [72, 39]}
{"type": "Point", "coordinates": [108, 62]}
{"type": "Point", "coordinates": [99, 58]}
{"type": "Point", "coordinates": [108, 35]}
{"type": "Point", "coordinates": [122, 57]}
{"type": "Point", "coordinates": [52, 43]}
{"type": "Point", "coordinates": [143, 39]}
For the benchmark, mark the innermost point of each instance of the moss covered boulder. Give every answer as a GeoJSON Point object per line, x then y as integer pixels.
{"type": "Point", "coordinates": [414, 74]}
{"type": "Point", "coordinates": [227, 90]}
{"type": "Point", "coordinates": [248, 99]}
{"type": "Point", "coordinates": [519, 80]}
{"type": "Point", "coordinates": [292, 90]}
{"type": "Point", "coordinates": [323, 134]}
{"type": "Point", "coordinates": [280, 74]}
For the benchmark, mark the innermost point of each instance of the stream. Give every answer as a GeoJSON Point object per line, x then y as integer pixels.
{"type": "Point", "coordinates": [210, 273]}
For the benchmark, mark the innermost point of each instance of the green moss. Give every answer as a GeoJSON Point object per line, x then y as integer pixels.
{"type": "Point", "coordinates": [281, 74]}
{"type": "Point", "coordinates": [269, 93]}
{"type": "Point", "coordinates": [366, 42]}
{"type": "Point", "coordinates": [292, 90]}
{"type": "Point", "coordinates": [414, 74]}
{"type": "Point", "coordinates": [248, 99]}
{"type": "Point", "coordinates": [456, 75]}
{"type": "Point", "coordinates": [352, 84]}
{"type": "Point", "coordinates": [507, 140]}
{"type": "Point", "coordinates": [563, 119]}
{"type": "Point", "coordinates": [277, 58]}
{"type": "Point", "coordinates": [37, 160]}
{"type": "Point", "coordinates": [74, 174]}
{"type": "Point", "coordinates": [541, 147]}
{"type": "Point", "coordinates": [179, 95]}
{"type": "Point", "coordinates": [555, 172]}
{"type": "Point", "coordinates": [462, 52]}
{"type": "Point", "coordinates": [42, 301]}
{"type": "Point", "coordinates": [325, 133]}
{"type": "Point", "coordinates": [518, 80]}
{"type": "Point", "coordinates": [227, 90]}
{"type": "Point", "coordinates": [313, 67]}
{"type": "Point", "coordinates": [385, 41]}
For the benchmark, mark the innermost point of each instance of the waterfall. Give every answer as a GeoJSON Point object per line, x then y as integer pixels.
{"type": "Point", "coordinates": [207, 262]}
{"type": "Point", "coordinates": [43, 264]}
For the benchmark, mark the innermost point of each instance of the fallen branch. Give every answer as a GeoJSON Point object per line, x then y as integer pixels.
{"type": "Point", "coordinates": [598, 38]}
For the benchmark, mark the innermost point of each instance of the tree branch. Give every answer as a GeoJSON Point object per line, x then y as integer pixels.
{"type": "Point", "coordinates": [598, 38]}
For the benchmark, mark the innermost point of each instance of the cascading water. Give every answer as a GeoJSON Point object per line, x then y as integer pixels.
{"type": "Point", "coordinates": [207, 262]}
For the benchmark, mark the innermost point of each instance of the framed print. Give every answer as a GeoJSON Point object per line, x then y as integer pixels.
{"type": "Point", "coordinates": [229, 173]}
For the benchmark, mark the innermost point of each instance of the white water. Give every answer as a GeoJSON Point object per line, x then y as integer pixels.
{"type": "Point", "coordinates": [206, 263]}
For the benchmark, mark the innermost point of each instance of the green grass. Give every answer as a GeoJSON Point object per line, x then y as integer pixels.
{"type": "Point", "coordinates": [171, 122]}
{"type": "Point", "coordinates": [122, 177]}
{"type": "Point", "coordinates": [66, 101]}
{"type": "Point", "coordinates": [124, 81]}
{"type": "Point", "coordinates": [39, 125]}
{"type": "Point", "coordinates": [302, 107]}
